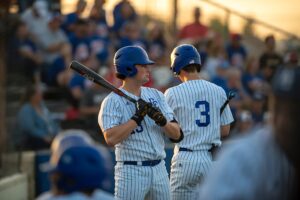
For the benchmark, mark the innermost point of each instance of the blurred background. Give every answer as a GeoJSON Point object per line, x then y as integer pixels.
{"type": "Point", "coordinates": [241, 44]}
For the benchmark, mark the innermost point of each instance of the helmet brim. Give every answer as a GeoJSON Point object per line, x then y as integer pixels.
{"type": "Point", "coordinates": [148, 62]}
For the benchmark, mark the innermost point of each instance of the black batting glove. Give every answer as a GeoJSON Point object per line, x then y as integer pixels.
{"type": "Point", "coordinates": [142, 108]}
{"type": "Point", "coordinates": [155, 114]}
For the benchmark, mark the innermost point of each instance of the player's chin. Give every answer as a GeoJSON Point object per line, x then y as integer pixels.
{"type": "Point", "coordinates": [146, 80]}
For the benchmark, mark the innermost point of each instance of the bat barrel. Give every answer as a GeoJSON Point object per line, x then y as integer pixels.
{"type": "Point", "coordinates": [96, 78]}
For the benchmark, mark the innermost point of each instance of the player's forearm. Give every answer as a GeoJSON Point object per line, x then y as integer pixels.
{"type": "Point", "coordinates": [225, 131]}
{"type": "Point", "coordinates": [119, 133]}
{"type": "Point", "coordinates": [172, 130]}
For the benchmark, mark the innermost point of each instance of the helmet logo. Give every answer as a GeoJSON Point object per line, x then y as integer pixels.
{"type": "Point", "coordinates": [192, 62]}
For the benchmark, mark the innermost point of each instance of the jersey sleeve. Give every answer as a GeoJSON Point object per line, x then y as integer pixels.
{"type": "Point", "coordinates": [110, 114]}
{"type": "Point", "coordinates": [165, 108]}
{"type": "Point", "coordinates": [226, 116]}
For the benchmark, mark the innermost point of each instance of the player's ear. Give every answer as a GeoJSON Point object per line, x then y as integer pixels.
{"type": "Point", "coordinates": [181, 74]}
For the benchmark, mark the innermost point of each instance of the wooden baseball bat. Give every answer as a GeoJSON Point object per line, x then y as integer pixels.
{"type": "Point", "coordinates": [96, 78]}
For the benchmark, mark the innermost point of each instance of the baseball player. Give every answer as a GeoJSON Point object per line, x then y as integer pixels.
{"type": "Point", "coordinates": [137, 131]}
{"type": "Point", "coordinates": [262, 165]}
{"type": "Point", "coordinates": [196, 104]}
{"type": "Point", "coordinates": [77, 167]}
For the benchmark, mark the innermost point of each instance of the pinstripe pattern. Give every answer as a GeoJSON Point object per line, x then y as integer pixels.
{"type": "Point", "coordinates": [182, 100]}
{"type": "Point", "coordinates": [140, 182]}
{"type": "Point", "coordinates": [196, 105]}
{"type": "Point", "coordinates": [147, 143]}
{"type": "Point", "coordinates": [187, 171]}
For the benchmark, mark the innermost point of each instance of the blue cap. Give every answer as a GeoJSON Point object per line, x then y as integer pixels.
{"type": "Point", "coordinates": [80, 168]}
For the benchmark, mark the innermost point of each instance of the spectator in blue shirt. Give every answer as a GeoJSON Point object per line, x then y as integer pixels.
{"type": "Point", "coordinates": [236, 52]}
{"type": "Point", "coordinates": [56, 51]}
{"type": "Point", "coordinates": [251, 79]}
{"type": "Point", "coordinates": [131, 35]}
{"type": "Point", "coordinates": [98, 16]}
{"type": "Point", "coordinates": [257, 108]}
{"type": "Point", "coordinates": [71, 18]}
{"type": "Point", "coordinates": [80, 41]}
{"type": "Point", "coordinates": [122, 13]}
{"type": "Point", "coordinates": [99, 45]}
{"type": "Point", "coordinates": [36, 128]}
{"type": "Point", "coordinates": [234, 84]}
{"type": "Point", "coordinates": [97, 12]}
{"type": "Point", "coordinates": [220, 78]}
{"type": "Point", "coordinates": [23, 55]}
{"type": "Point", "coordinates": [157, 44]}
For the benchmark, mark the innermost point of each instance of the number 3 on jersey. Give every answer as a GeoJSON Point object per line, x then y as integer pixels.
{"type": "Point", "coordinates": [205, 120]}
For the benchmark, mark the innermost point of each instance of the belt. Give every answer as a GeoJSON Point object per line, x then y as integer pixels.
{"type": "Point", "coordinates": [185, 149]}
{"type": "Point", "coordinates": [190, 150]}
{"type": "Point", "coordinates": [143, 163]}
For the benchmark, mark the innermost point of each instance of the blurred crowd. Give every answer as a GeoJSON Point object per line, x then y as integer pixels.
{"type": "Point", "coordinates": [44, 42]}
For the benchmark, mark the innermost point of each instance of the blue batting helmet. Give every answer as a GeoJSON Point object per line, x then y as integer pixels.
{"type": "Point", "coordinates": [182, 56]}
{"type": "Point", "coordinates": [79, 162]}
{"type": "Point", "coordinates": [127, 57]}
{"type": "Point", "coordinates": [80, 168]}
{"type": "Point", "coordinates": [68, 138]}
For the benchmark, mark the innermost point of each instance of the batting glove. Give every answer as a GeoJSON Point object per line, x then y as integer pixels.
{"type": "Point", "coordinates": [155, 114]}
{"type": "Point", "coordinates": [142, 108]}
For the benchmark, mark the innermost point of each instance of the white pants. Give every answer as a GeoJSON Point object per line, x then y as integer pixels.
{"type": "Point", "coordinates": [142, 182]}
{"type": "Point", "coordinates": [187, 171]}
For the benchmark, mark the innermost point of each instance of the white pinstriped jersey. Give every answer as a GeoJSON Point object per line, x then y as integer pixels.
{"type": "Point", "coordinates": [147, 140]}
{"type": "Point", "coordinates": [196, 104]}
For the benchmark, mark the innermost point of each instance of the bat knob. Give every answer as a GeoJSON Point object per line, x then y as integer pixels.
{"type": "Point", "coordinates": [231, 94]}
{"type": "Point", "coordinates": [73, 62]}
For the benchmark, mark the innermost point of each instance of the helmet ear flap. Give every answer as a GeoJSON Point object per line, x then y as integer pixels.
{"type": "Point", "coordinates": [131, 71]}
{"type": "Point", "coordinates": [127, 69]}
